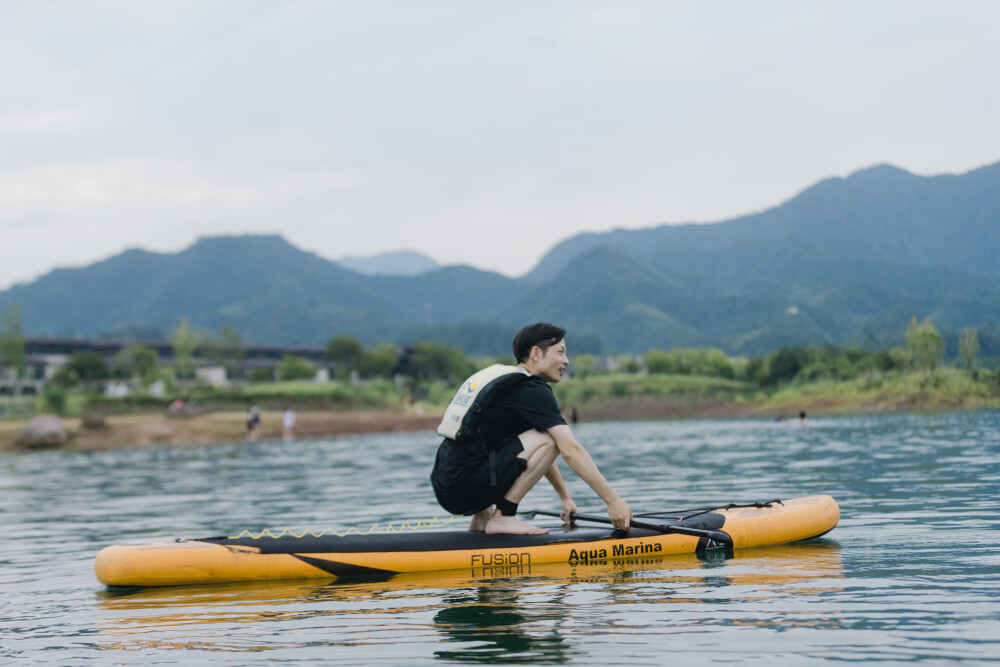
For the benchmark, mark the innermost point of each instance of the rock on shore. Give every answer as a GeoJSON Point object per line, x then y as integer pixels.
{"type": "Point", "coordinates": [42, 432]}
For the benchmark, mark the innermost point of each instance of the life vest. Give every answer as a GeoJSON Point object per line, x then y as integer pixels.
{"type": "Point", "coordinates": [461, 419]}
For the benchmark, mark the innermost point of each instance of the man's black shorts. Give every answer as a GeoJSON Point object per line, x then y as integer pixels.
{"type": "Point", "coordinates": [473, 492]}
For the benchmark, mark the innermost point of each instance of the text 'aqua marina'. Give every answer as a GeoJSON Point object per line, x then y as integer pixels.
{"type": "Point", "coordinates": [617, 551]}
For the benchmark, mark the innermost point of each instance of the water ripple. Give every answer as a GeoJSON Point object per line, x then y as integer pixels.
{"type": "Point", "coordinates": [910, 574]}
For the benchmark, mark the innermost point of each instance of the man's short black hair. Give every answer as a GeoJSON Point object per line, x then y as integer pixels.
{"type": "Point", "coordinates": [541, 334]}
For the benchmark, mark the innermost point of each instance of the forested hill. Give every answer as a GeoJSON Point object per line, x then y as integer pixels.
{"type": "Point", "coordinates": [848, 261]}
{"type": "Point", "coordinates": [883, 213]}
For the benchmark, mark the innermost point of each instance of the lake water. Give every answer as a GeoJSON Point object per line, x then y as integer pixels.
{"type": "Point", "coordinates": [911, 574]}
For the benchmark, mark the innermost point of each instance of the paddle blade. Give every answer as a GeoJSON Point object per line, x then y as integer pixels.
{"type": "Point", "coordinates": [714, 540]}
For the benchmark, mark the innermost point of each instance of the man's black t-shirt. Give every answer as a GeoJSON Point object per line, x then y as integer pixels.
{"type": "Point", "coordinates": [525, 406]}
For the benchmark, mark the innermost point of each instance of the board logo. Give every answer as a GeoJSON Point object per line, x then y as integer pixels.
{"type": "Point", "coordinates": [587, 555]}
{"type": "Point", "coordinates": [484, 560]}
{"type": "Point", "coordinates": [617, 551]}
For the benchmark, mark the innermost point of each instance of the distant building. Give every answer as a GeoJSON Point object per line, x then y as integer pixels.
{"type": "Point", "coordinates": [45, 356]}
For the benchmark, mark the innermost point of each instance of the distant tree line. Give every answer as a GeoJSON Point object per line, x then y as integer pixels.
{"type": "Point", "coordinates": [924, 351]}
{"type": "Point", "coordinates": [431, 362]}
{"type": "Point", "coordinates": [423, 363]}
{"type": "Point", "coordinates": [12, 341]}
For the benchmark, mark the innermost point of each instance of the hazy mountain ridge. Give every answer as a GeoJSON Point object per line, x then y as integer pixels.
{"type": "Point", "coordinates": [397, 263]}
{"type": "Point", "coordinates": [847, 261]}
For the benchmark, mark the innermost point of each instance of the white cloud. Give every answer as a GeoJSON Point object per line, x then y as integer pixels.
{"type": "Point", "coordinates": [480, 133]}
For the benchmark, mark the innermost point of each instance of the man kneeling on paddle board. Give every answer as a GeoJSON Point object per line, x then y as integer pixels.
{"type": "Point", "coordinates": [503, 431]}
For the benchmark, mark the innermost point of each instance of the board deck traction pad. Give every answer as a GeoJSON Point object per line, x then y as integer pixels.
{"type": "Point", "coordinates": [677, 517]}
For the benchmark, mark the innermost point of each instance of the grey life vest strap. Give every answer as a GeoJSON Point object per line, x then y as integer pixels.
{"type": "Point", "coordinates": [493, 468]}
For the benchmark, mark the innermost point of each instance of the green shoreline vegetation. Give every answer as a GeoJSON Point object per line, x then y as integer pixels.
{"type": "Point", "coordinates": [423, 377]}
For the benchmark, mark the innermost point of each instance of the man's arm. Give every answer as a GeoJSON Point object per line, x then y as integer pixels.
{"type": "Point", "coordinates": [579, 460]}
{"type": "Point", "coordinates": [556, 480]}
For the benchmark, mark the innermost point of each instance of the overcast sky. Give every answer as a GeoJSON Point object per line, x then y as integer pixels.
{"type": "Point", "coordinates": [478, 133]}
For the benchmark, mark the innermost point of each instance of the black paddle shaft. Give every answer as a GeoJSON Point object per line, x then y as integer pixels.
{"type": "Point", "coordinates": [722, 540]}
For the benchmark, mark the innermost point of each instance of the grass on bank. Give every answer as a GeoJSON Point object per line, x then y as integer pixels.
{"type": "Point", "coordinates": [619, 389]}
{"type": "Point", "coordinates": [940, 389]}
{"type": "Point", "coordinates": [878, 391]}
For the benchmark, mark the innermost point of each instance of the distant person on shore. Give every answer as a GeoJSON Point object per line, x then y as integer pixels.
{"type": "Point", "coordinates": [574, 416]}
{"type": "Point", "coordinates": [503, 431]}
{"type": "Point", "coordinates": [253, 421]}
{"type": "Point", "coordinates": [288, 424]}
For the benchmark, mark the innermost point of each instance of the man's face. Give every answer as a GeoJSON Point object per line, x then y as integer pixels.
{"type": "Point", "coordinates": [553, 362]}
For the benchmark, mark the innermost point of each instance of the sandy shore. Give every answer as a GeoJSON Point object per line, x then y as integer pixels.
{"type": "Point", "coordinates": [219, 427]}
{"type": "Point", "coordinates": [158, 429]}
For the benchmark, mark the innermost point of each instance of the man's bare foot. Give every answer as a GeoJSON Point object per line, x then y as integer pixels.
{"type": "Point", "coordinates": [511, 525]}
{"type": "Point", "coordinates": [479, 521]}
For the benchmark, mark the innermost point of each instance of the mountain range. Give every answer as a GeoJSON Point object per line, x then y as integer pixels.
{"type": "Point", "coordinates": [849, 261]}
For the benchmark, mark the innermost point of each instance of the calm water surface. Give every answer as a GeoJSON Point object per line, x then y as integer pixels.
{"type": "Point", "coordinates": [912, 573]}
